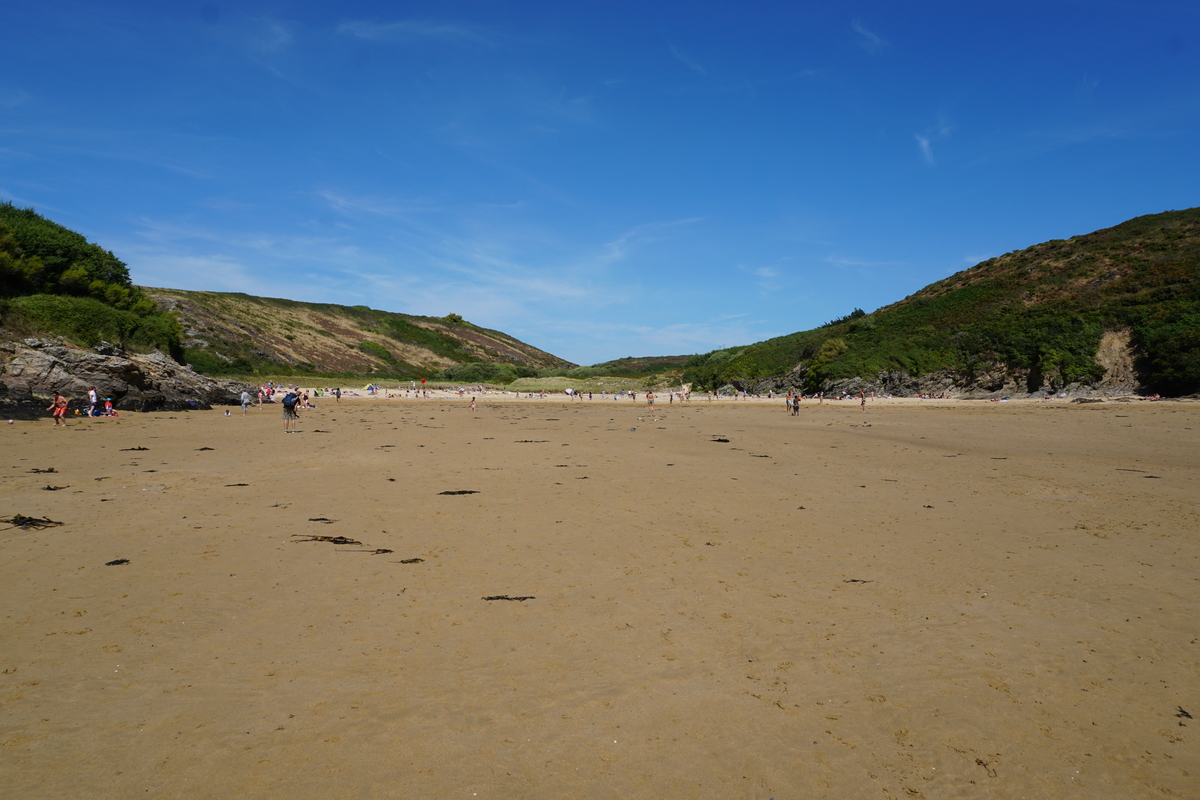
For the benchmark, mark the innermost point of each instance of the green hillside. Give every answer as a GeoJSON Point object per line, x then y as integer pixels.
{"type": "Point", "coordinates": [1035, 316]}
{"type": "Point", "coordinates": [52, 280]}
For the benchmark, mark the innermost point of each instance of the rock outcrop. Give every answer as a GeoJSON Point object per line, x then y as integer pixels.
{"type": "Point", "coordinates": [31, 370]}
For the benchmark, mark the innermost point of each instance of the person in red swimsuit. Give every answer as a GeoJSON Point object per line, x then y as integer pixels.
{"type": "Point", "coordinates": [59, 407]}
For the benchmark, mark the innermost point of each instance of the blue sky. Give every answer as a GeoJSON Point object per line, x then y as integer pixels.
{"type": "Point", "coordinates": [600, 179]}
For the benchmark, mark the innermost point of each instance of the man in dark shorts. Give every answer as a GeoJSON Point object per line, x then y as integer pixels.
{"type": "Point", "coordinates": [289, 412]}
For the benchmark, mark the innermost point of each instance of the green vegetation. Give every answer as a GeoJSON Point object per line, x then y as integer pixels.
{"type": "Point", "coordinates": [400, 329]}
{"type": "Point", "coordinates": [377, 350]}
{"type": "Point", "coordinates": [622, 373]}
{"type": "Point", "coordinates": [87, 321]}
{"type": "Point", "coordinates": [480, 372]}
{"type": "Point", "coordinates": [53, 281]}
{"type": "Point", "coordinates": [1041, 311]}
{"type": "Point", "coordinates": [395, 368]}
{"type": "Point", "coordinates": [558, 384]}
{"type": "Point", "coordinates": [626, 373]}
{"type": "Point", "coordinates": [632, 366]}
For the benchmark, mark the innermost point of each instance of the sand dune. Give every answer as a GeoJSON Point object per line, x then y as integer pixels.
{"type": "Point", "coordinates": [925, 600]}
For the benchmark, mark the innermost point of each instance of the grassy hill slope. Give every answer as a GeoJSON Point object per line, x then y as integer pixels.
{"type": "Point", "coordinates": [239, 334]}
{"type": "Point", "coordinates": [1033, 318]}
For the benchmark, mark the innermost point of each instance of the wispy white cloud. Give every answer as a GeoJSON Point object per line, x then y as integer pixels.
{"type": "Point", "coordinates": [147, 146]}
{"type": "Point", "coordinates": [687, 61]}
{"type": "Point", "coordinates": [1086, 88]}
{"type": "Point", "coordinates": [548, 106]}
{"type": "Point", "coordinates": [10, 98]}
{"type": "Point", "coordinates": [459, 264]}
{"type": "Point", "coordinates": [194, 272]}
{"type": "Point", "coordinates": [18, 200]}
{"type": "Point", "coordinates": [926, 148]}
{"type": "Point", "coordinates": [416, 30]}
{"type": "Point", "coordinates": [375, 204]}
{"type": "Point", "coordinates": [867, 39]}
{"type": "Point", "coordinates": [925, 140]}
{"type": "Point", "coordinates": [843, 262]}
{"type": "Point", "coordinates": [1034, 143]}
{"type": "Point", "coordinates": [1086, 133]}
{"type": "Point", "coordinates": [767, 279]}
{"type": "Point", "coordinates": [605, 340]}
{"type": "Point", "coordinates": [272, 36]}
{"type": "Point", "coordinates": [618, 249]}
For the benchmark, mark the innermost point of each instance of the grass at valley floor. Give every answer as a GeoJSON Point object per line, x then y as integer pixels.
{"type": "Point", "coordinates": [609, 384]}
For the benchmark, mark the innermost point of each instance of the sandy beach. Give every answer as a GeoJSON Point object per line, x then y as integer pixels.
{"type": "Point", "coordinates": [926, 600]}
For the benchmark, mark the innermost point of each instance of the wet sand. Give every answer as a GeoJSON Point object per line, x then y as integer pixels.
{"type": "Point", "coordinates": [927, 600]}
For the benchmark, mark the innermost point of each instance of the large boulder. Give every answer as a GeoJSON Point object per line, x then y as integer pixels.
{"type": "Point", "coordinates": [31, 370]}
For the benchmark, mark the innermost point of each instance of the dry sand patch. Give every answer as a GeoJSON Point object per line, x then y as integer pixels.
{"type": "Point", "coordinates": [941, 600]}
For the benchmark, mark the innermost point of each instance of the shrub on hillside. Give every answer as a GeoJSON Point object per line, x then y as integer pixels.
{"type": "Point", "coordinates": [87, 321]}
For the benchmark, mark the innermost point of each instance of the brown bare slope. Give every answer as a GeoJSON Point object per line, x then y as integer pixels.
{"type": "Point", "coordinates": [228, 333]}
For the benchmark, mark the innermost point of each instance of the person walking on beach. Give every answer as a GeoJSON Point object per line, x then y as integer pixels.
{"type": "Point", "coordinates": [337, 393]}
{"type": "Point", "coordinates": [650, 400]}
{"type": "Point", "coordinates": [289, 412]}
{"type": "Point", "coordinates": [472, 405]}
{"type": "Point", "coordinates": [59, 407]}
{"type": "Point", "coordinates": [245, 402]}
{"type": "Point", "coordinates": [863, 398]}
{"type": "Point", "coordinates": [93, 403]}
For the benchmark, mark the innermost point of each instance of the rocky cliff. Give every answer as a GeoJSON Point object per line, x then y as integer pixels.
{"type": "Point", "coordinates": [31, 370]}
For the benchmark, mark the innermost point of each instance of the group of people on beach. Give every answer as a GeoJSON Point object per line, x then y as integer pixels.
{"type": "Point", "coordinates": [59, 406]}
{"type": "Point", "coordinates": [792, 400]}
{"type": "Point", "coordinates": [293, 398]}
